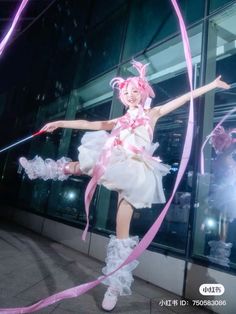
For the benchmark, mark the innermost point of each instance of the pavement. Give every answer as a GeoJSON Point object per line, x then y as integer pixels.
{"type": "Point", "coordinates": [33, 267]}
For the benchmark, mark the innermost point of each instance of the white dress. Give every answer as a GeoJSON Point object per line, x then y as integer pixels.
{"type": "Point", "coordinates": [131, 170]}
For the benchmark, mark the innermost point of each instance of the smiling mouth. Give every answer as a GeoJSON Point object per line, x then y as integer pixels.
{"type": "Point", "coordinates": [131, 100]}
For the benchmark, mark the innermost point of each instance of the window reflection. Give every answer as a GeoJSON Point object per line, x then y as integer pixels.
{"type": "Point", "coordinates": [222, 199]}
{"type": "Point", "coordinates": [215, 218]}
{"type": "Point", "coordinates": [220, 204]}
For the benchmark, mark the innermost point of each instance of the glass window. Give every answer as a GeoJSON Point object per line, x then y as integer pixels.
{"type": "Point", "coordinates": [34, 194]}
{"type": "Point", "coordinates": [98, 58]}
{"type": "Point", "coordinates": [48, 60]}
{"type": "Point", "coordinates": [215, 217]}
{"type": "Point", "coordinates": [66, 199]}
{"type": "Point", "coordinates": [101, 10]}
{"type": "Point", "coordinates": [192, 11]}
{"type": "Point", "coordinates": [152, 21]}
{"type": "Point", "coordinates": [22, 125]}
{"type": "Point", "coordinates": [215, 4]}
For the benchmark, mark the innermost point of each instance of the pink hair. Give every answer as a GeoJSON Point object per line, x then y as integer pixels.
{"type": "Point", "coordinates": [222, 140]}
{"type": "Point", "coordinates": [140, 82]}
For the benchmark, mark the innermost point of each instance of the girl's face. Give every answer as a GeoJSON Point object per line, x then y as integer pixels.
{"type": "Point", "coordinates": [130, 96]}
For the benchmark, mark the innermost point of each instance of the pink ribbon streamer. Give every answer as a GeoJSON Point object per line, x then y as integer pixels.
{"type": "Point", "coordinates": [147, 239]}
{"type": "Point", "coordinates": [202, 166]}
{"type": "Point", "coordinates": [13, 25]}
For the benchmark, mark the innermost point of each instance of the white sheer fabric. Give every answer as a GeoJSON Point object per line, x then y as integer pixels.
{"type": "Point", "coordinates": [136, 176]}
{"type": "Point", "coordinates": [117, 251]}
{"type": "Point", "coordinates": [45, 169]}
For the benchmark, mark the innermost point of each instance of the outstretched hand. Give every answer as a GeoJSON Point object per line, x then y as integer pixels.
{"type": "Point", "coordinates": [51, 126]}
{"type": "Point", "coordinates": [221, 84]}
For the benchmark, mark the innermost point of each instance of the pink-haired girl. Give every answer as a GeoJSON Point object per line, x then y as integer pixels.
{"type": "Point", "coordinates": [122, 161]}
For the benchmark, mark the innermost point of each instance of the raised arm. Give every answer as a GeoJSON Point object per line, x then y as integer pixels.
{"type": "Point", "coordinates": [79, 124]}
{"type": "Point", "coordinates": [180, 101]}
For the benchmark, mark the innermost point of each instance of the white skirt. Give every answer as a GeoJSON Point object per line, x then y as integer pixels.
{"type": "Point", "coordinates": [136, 177]}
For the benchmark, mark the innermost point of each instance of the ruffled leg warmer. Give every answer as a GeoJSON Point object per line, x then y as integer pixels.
{"type": "Point", "coordinates": [45, 169]}
{"type": "Point", "coordinates": [120, 282]}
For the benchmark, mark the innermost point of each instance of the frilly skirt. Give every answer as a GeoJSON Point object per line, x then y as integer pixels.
{"type": "Point", "coordinates": [136, 177]}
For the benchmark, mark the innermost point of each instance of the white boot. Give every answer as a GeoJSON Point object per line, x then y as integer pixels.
{"type": "Point", "coordinates": [120, 282]}
{"type": "Point", "coordinates": [110, 299]}
{"type": "Point", "coordinates": [45, 169]}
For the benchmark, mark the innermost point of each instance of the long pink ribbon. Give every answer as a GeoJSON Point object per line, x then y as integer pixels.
{"type": "Point", "coordinates": [202, 166]}
{"type": "Point", "coordinates": [13, 25]}
{"type": "Point", "coordinates": [147, 239]}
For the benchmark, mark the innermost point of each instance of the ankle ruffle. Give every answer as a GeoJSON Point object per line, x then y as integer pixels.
{"type": "Point", "coordinates": [117, 251]}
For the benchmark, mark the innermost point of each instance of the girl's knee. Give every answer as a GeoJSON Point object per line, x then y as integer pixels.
{"type": "Point", "coordinates": [124, 203]}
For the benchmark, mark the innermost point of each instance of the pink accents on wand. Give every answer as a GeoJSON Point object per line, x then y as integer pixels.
{"type": "Point", "coordinates": [7, 37]}
{"type": "Point", "coordinates": [38, 133]}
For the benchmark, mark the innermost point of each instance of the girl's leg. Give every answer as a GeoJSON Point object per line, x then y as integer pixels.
{"type": "Point", "coordinates": [72, 168]}
{"type": "Point", "coordinates": [123, 218]}
{"type": "Point", "coordinates": [119, 248]}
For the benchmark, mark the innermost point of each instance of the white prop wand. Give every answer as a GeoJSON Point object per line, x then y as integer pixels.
{"type": "Point", "coordinates": [21, 141]}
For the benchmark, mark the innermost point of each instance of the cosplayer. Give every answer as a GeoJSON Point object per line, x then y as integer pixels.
{"type": "Point", "coordinates": [222, 193]}
{"type": "Point", "coordinates": [121, 161]}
